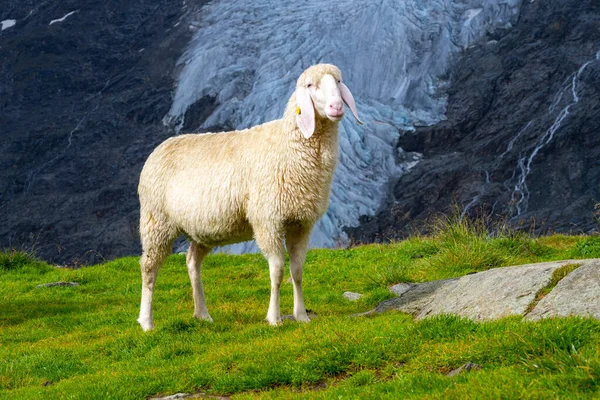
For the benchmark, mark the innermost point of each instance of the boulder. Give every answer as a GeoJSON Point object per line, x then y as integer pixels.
{"type": "Point", "coordinates": [502, 292]}
{"type": "Point", "coordinates": [576, 294]}
{"type": "Point", "coordinates": [414, 298]}
{"type": "Point", "coordinates": [496, 293]}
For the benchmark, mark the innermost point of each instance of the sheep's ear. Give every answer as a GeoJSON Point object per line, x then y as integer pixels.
{"type": "Point", "coordinates": [305, 113]}
{"type": "Point", "coordinates": [349, 100]}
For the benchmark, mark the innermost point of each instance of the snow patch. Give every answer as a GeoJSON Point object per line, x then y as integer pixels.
{"type": "Point", "coordinates": [63, 18]}
{"type": "Point", "coordinates": [8, 23]}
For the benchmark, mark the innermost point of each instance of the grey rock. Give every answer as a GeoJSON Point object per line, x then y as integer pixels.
{"type": "Point", "coordinates": [415, 299]}
{"type": "Point", "coordinates": [411, 300]}
{"type": "Point", "coordinates": [352, 296]}
{"type": "Point", "coordinates": [576, 294]}
{"type": "Point", "coordinates": [468, 367]}
{"type": "Point", "coordinates": [400, 288]}
{"type": "Point", "coordinates": [58, 284]}
{"type": "Point", "coordinates": [502, 292]}
{"type": "Point", "coordinates": [492, 294]}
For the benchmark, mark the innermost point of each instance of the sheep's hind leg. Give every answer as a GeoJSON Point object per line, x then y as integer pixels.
{"type": "Point", "coordinates": [195, 255]}
{"type": "Point", "coordinates": [270, 243]}
{"type": "Point", "coordinates": [150, 262]}
{"type": "Point", "coordinates": [297, 245]}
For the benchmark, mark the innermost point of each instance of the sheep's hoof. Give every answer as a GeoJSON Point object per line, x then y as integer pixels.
{"type": "Point", "coordinates": [146, 325]}
{"type": "Point", "coordinates": [204, 318]}
{"type": "Point", "coordinates": [275, 321]}
{"type": "Point", "coordinates": [302, 318]}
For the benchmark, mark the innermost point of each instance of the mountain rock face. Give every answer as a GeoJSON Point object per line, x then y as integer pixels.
{"type": "Point", "coordinates": [85, 89]}
{"type": "Point", "coordinates": [521, 141]}
{"type": "Point", "coordinates": [81, 107]}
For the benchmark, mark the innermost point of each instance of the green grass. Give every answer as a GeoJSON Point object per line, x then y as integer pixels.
{"type": "Point", "coordinates": [84, 342]}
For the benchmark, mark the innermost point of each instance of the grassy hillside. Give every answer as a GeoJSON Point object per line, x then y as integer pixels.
{"type": "Point", "coordinates": [84, 342]}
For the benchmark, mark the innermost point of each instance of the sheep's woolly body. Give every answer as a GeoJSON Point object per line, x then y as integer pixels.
{"type": "Point", "coordinates": [267, 182]}
{"type": "Point", "coordinates": [204, 185]}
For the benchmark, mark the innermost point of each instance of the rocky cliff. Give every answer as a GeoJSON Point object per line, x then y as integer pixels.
{"type": "Point", "coordinates": [521, 140]}
{"type": "Point", "coordinates": [81, 104]}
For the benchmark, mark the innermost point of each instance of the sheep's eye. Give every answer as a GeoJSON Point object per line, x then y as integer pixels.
{"type": "Point", "coordinates": [309, 85]}
{"type": "Point", "coordinates": [339, 81]}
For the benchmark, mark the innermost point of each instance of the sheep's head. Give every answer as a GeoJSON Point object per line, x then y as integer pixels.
{"type": "Point", "coordinates": [320, 88]}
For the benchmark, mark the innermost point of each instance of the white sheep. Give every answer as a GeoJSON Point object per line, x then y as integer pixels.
{"type": "Point", "coordinates": [267, 182]}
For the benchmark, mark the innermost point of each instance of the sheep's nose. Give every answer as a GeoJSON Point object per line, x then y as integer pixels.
{"type": "Point", "coordinates": [336, 106]}
{"type": "Point", "coordinates": [335, 110]}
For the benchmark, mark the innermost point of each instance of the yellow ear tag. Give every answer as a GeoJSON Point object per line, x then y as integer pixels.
{"type": "Point", "coordinates": [298, 111]}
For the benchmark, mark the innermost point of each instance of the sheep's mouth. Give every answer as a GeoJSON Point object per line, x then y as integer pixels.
{"type": "Point", "coordinates": [335, 116]}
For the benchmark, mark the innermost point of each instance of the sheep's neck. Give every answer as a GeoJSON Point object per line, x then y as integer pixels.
{"type": "Point", "coordinates": [323, 140]}
{"type": "Point", "coordinates": [310, 162]}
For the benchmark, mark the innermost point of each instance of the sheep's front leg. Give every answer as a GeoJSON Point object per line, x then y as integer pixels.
{"type": "Point", "coordinates": [195, 255]}
{"type": "Point", "coordinates": [276, 262]}
{"type": "Point", "coordinates": [297, 245]}
{"type": "Point", "coordinates": [271, 244]}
